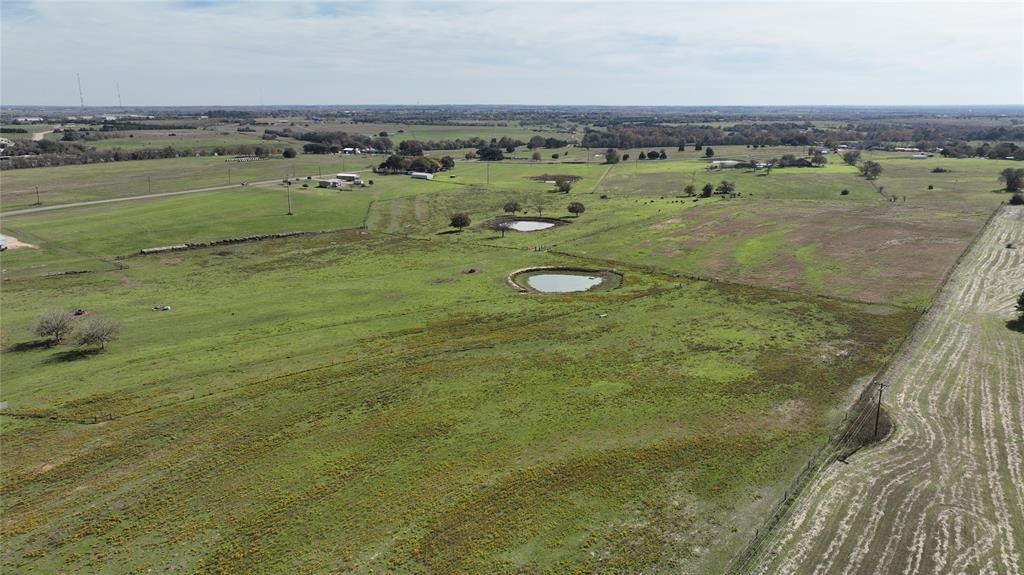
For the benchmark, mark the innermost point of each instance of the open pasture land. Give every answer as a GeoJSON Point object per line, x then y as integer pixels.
{"type": "Point", "coordinates": [881, 253]}
{"type": "Point", "coordinates": [399, 132]}
{"type": "Point", "coordinates": [68, 184]}
{"type": "Point", "coordinates": [30, 130]}
{"type": "Point", "coordinates": [379, 399]}
{"type": "Point", "coordinates": [352, 401]}
{"type": "Point", "coordinates": [194, 139]}
{"type": "Point", "coordinates": [791, 229]}
{"type": "Point", "coordinates": [944, 494]}
{"type": "Point", "coordinates": [83, 238]}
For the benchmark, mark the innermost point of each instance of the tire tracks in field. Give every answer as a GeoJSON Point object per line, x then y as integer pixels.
{"type": "Point", "coordinates": [946, 493]}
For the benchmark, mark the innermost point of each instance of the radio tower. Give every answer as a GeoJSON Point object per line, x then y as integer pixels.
{"type": "Point", "coordinates": [81, 98]}
{"type": "Point", "coordinates": [119, 104]}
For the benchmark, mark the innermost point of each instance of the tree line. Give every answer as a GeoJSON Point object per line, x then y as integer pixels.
{"type": "Point", "coordinates": [47, 153]}
{"type": "Point", "coordinates": [396, 164]}
{"type": "Point", "coordinates": [927, 138]}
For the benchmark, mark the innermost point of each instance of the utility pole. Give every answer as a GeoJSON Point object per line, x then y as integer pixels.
{"type": "Point", "coordinates": [81, 98]}
{"type": "Point", "coordinates": [38, 203]}
{"type": "Point", "coordinates": [289, 198]}
{"type": "Point", "coordinates": [878, 408]}
{"type": "Point", "coordinates": [488, 173]}
{"type": "Point", "coordinates": [149, 183]}
{"type": "Point", "coordinates": [229, 174]}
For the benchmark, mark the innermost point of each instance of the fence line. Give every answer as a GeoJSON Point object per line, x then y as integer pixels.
{"type": "Point", "coordinates": [845, 438]}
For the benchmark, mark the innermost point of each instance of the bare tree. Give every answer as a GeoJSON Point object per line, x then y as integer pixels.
{"type": "Point", "coordinates": [98, 331]}
{"type": "Point", "coordinates": [56, 325]}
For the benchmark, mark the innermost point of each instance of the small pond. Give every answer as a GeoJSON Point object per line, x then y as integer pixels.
{"type": "Point", "coordinates": [528, 225]}
{"type": "Point", "coordinates": [523, 223]}
{"type": "Point", "coordinates": [552, 279]}
{"type": "Point", "coordinates": [563, 282]}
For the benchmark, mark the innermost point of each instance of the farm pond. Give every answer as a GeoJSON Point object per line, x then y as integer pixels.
{"type": "Point", "coordinates": [565, 280]}
{"type": "Point", "coordinates": [523, 224]}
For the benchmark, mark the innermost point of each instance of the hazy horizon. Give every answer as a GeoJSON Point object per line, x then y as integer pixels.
{"type": "Point", "coordinates": [207, 53]}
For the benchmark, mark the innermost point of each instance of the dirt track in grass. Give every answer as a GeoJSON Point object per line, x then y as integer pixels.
{"type": "Point", "coordinates": [946, 493]}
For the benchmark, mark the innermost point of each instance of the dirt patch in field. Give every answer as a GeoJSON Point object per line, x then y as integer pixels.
{"type": "Point", "coordinates": [14, 243]}
{"type": "Point", "coordinates": [870, 253]}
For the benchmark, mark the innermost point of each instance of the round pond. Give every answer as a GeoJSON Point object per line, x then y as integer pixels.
{"type": "Point", "coordinates": [564, 280]}
{"type": "Point", "coordinates": [528, 225]}
{"type": "Point", "coordinates": [523, 223]}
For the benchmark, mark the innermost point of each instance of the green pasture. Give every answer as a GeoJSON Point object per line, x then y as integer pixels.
{"type": "Point", "coordinates": [68, 184]}
{"type": "Point", "coordinates": [187, 140]}
{"type": "Point", "coordinates": [334, 403]}
{"type": "Point", "coordinates": [379, 400]}
{"type": "Point", "coordinates": [399, 132]}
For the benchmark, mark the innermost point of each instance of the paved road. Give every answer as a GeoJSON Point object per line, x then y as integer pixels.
{"type": "Point", "coordinates": [946, 493]}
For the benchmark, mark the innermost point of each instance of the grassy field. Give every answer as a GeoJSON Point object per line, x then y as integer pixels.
{"type": "Point", "coordinates": [378, 399]}
{"type": "Point", "coordinates": [68, 184]}
{"type": "Point", "coordinates": [347, 402]}
{"type": "Point", "coordinates": [399, 132]}
{"type": "Point", "coordinates": [188, 139]}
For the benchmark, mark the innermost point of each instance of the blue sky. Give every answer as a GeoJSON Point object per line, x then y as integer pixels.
{"type": "Point", "coordinates": [573, 52]}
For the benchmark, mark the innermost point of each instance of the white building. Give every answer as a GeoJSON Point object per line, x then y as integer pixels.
{"type": "Point", "coordinates": [347, 177]}
{"type": "Point", "coordinates": [920, 156]}
{"type": "Point", "coordinates": [422, 176]}
{"type": "Point", "coordinates": [724, 163]}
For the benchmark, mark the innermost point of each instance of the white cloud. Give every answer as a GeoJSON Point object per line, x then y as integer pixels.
{"type": "Point", "coordinates": [517, 52]}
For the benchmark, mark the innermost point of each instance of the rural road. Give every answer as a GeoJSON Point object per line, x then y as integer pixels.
{"type": "Point", "coordinates": [40, 135]}
{"type": "Point", "coordinates": [129, 198]}
{"type": "Point", "coordinates": [945, 494]}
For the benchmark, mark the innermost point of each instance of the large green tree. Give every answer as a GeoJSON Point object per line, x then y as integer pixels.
{"type": "Point", "coordinates": [460, 221]}
{"type": "Point", "coordinates": [1012, 178]}
{"type": "Point", "coordinates": [871, 169]}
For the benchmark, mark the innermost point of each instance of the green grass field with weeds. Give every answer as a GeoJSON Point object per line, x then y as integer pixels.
{"type": "Point", "coordinates": [379, 399]}
{"type": "Point", "coordinates": [364, 390]}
